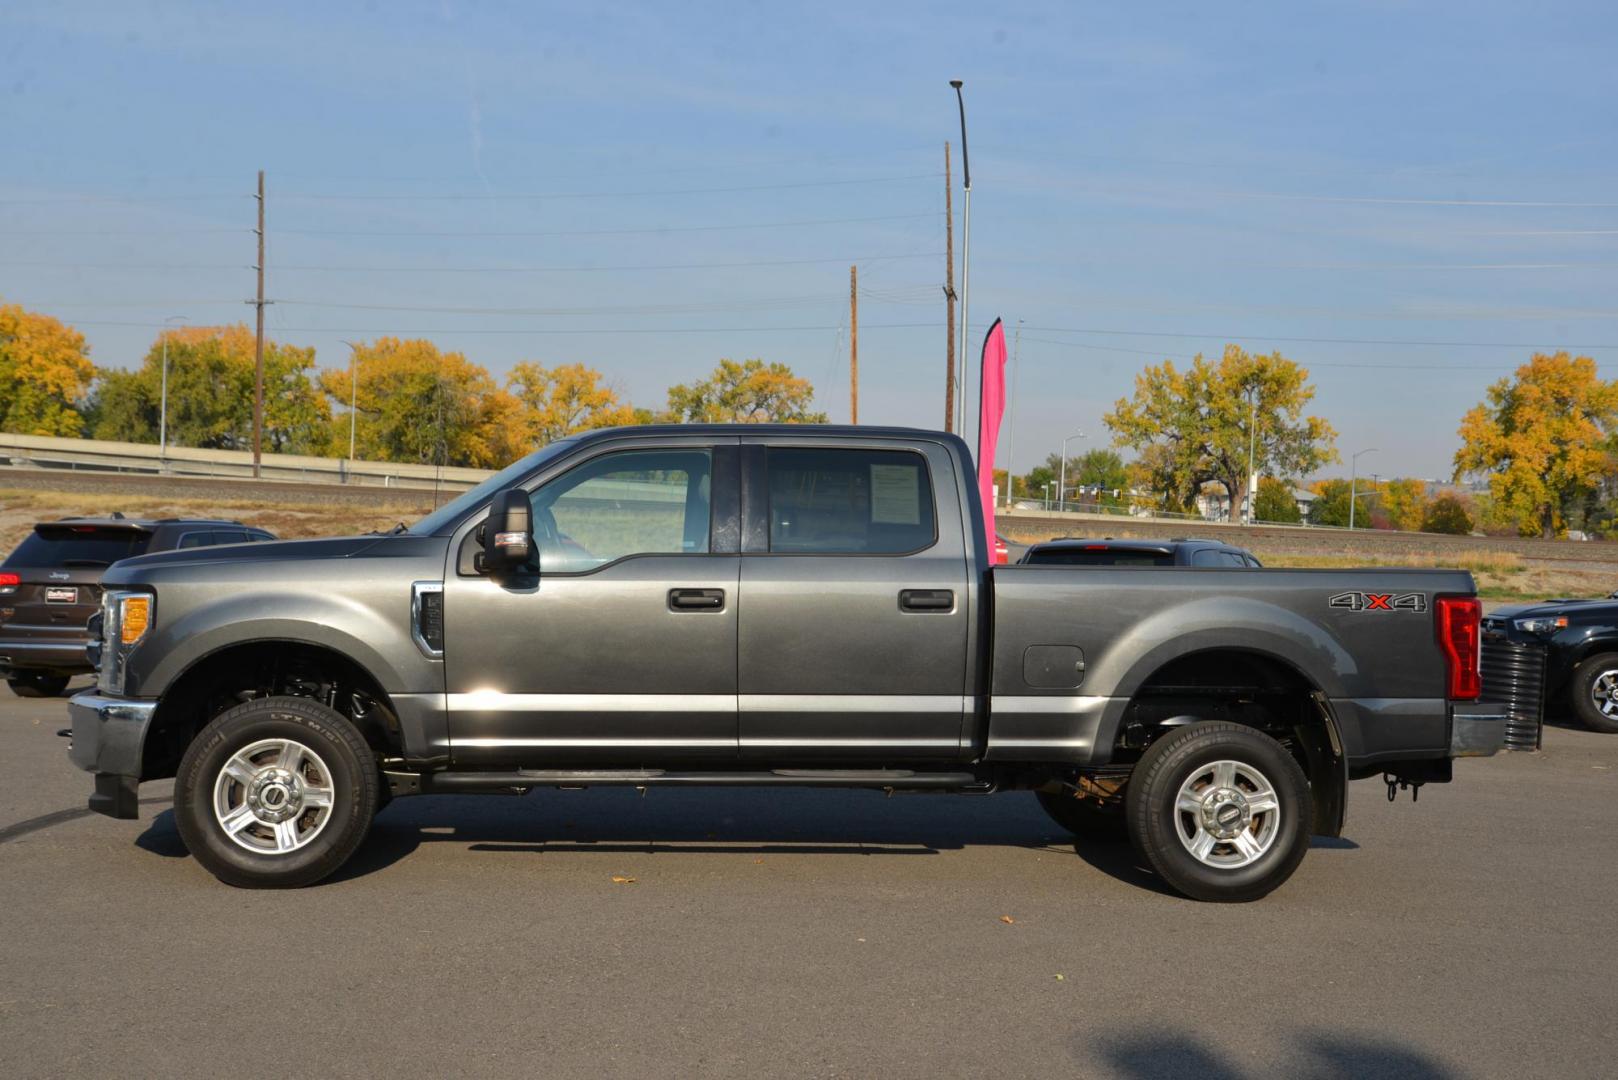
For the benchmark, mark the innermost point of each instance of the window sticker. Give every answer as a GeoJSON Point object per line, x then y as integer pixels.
{"type": "Point", "coordinates": [895, 495]}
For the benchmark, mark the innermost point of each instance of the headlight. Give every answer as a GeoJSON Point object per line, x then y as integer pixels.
{"type": "Point", "coordinates": [126, 620]}
{"type": "Point", "coordinates": [1544, 624]}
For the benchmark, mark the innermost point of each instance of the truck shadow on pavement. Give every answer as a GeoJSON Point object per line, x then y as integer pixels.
{"type": "Point", "coordinates": [1317, 1055]}
{"type": "Point", "coordinates": [609, 821]}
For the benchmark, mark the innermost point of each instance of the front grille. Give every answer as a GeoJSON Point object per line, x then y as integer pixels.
{"type": "Point", "coordinates": [1515, 676]}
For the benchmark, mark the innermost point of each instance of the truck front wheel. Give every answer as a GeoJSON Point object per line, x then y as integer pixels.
{"type": "Point", "coordinates": [1220, 811]}
{"type": "Point", "coordinates": [276, 793]}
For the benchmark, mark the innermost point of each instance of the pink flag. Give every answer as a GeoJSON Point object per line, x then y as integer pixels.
{"type": "Point", "coordinates": [991, 406]}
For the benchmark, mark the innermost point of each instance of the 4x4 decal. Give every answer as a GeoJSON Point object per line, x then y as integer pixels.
{"type": "Point", "coordinates": [1368, 601]}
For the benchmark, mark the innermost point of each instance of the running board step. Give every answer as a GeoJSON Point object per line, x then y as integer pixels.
{"type": "Point", "coordinates": [855, 778]}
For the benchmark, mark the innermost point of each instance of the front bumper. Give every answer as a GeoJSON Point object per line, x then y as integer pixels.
{"type": "Point", "coordinates": [1478, 729]}
{"type": "Point", "coordinates": [108, 735]}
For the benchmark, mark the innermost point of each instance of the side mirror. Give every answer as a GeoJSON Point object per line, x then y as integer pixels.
{"type": "Point", "coordinates": [508, 534]}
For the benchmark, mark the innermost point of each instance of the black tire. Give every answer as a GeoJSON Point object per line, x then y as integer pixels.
{"type": "Point", "coordinates": [1583, 692]}
{"type": "Point", "coordinates": [1158, 828]}
{"type": "Point", "coordinates": [37, 686]}
{"type": "Point", "coordinates": [337, 749]}
{"type": "Point", "coordinates": [1088, 822]}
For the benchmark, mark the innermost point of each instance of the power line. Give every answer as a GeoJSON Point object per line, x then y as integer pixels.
{"type": "Point", "coordinates": [541, 196]}
{"type": "Point", "coordinates": [651, 230]}
{"type": "Point", "coordinates": [603, 331]}
{"type": "Point", "coordinates": [1372, 200]}
{"type": "Point", "coordinates": [1315, 340]}
{"type": "Point", "coordinates": [1304, 363]}
{"type": "Point", "coordinates": [467, 269]}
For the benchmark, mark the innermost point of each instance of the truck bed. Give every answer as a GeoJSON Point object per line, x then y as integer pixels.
{"type": "Point", "coordinates": [1071, 646]}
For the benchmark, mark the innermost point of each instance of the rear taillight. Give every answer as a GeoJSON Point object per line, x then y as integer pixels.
{"type": "Point", "coordinates": [9, 583]}
{"type": "Point", "coordinates": [1460, 619]}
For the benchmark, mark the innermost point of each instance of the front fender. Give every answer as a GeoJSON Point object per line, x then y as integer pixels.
{"type": "Point", "coordinates": [378, 641]}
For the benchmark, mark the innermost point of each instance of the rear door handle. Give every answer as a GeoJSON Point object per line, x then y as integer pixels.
{"type": "Point", "coordinates": [926, 600]}
{"type": "Point", "coordinates": [696, 599]}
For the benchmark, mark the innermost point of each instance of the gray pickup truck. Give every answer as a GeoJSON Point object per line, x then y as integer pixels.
{"type": "Point", "coordinates": [773, 606]}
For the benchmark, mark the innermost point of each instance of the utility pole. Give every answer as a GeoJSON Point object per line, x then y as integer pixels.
{"type": "Point", "coordinates": [966, 256]}
{"type": "Point", "coordinates": [258, 344]}
{"type": "Point", "coordinates": [854, 344]}
{"type": "Point", "coordinates": [949, 297]}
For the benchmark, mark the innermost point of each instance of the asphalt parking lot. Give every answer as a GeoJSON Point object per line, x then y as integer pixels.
{"type": "Point", "coordinates": [812, 934]}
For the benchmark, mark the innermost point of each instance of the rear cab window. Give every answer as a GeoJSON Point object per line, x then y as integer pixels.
{"type": "Point", "coordinates": [840, 501]}
{"type": "Point", "coordinates": [78, 545]}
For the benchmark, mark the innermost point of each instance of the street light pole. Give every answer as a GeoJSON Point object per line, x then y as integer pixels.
{"type": "Point", "coordinates": [1353, 478]}
{"type": "Point", "coordinates": [353, 393]}
{"type": "Point", "coordinates": [1047, 495]}
{"type": "Point", "coordinates": [1061, 482]}
{"type": "Point", "coordinates": [1252, 444]}
{"type": "Point", "coordinates": [163, 413]}
{"type": "Point", "coordinates": [966, 255]}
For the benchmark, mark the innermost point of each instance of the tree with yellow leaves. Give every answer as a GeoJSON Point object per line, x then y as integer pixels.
{"type": "Point", "coordinates": [45, 374]}
{"type": "Point", "coordinates": [562, 400]}
{"type": "Point", "coordinates": [1197, 425]}
{"type": "Point", "coordinates": [417, 404]}
{"type": "Point", "coordinates": [1542, 437]}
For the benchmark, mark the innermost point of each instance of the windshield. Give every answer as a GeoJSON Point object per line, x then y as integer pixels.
{"type": "Point", "coordinates": [78, 545]}
{"type": "Point", "coordinates": [1093, 557]}
{"type": "Point", "coordinates": [451, 511]}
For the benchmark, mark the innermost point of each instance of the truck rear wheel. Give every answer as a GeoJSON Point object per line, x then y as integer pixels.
{"type": "Point", "coordinates": [1220, 811]}
{"type": "Point", "coordinates": [1595, 693]}
{"type": "Point", "coordinates": [276, 793]}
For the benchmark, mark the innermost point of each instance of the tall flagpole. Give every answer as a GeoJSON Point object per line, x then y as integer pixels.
{"type": "Point", "coordinates": [966, 255]}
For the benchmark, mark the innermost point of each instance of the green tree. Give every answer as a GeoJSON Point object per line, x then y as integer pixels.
{"type": "Point", "coordinates": [1542, 436]}
{"type": "Point", "coordinates": [747, 393]}
{"type": "Point", "coordinates": [45, 374]}
{"type": "Point", "coordinates": [1198, 425]}
{"type": "Point", "coordinates": [417, 404]}
{"type": "Point", "coordinates": [1100, 476]}
{"type": "Point", "coordinates": [1331, 503]}
{"type": "Point", "coordinates": [211, 374]}
{"type": "Point", "coordinates": [1275, 502]}
{"type": "Point", "coordinates": [1447, 513]}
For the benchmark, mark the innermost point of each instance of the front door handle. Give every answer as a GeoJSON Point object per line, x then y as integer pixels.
{"type": "Point", "coordinates": [696, 599]}
{"type": "Point", "coordinates": [926, 600]}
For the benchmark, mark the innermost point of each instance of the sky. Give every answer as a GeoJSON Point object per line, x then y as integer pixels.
{"type": "Point", "coordinates": [1407, 198]}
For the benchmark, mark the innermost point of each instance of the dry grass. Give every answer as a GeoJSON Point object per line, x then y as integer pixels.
{"type": "Point", "coordinates": [1499, 575]}
{"type": "Point", "coordinates": [20, 509]}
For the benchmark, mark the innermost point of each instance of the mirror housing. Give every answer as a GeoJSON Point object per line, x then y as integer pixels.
{"type": "Point", "coordinates": [508, 533]}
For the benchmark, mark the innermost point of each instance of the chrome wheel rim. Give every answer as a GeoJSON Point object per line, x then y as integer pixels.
{"type": "Point", "coordinates": [273, 797]}
{"type": "Point", "coordinates": [1604, 694]}
{"type": "Point", "coordinates": [1227, 814]}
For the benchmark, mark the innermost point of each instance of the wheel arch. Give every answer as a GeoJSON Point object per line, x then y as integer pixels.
{"type": "Point", "coordinates": [1223, 677]}
{"type": "Point", "coordinates": [233, 673]}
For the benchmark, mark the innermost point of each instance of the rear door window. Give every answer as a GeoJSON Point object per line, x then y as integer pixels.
{"type": "Point", "coordinates": [849, 502]}
{"type": "Point", "coordinates": [195, 540]}
{"type": "Point", "coordinates": [78, 545]}
{"type": "Point", "coordinates": [229, 536]}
